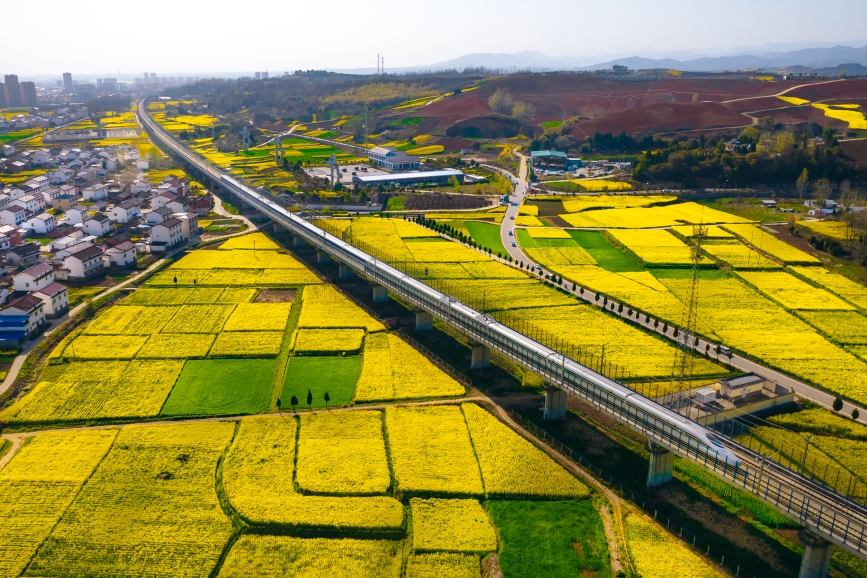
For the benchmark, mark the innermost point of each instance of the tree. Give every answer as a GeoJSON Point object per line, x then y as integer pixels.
{"type": "Point", "coordinates": [524, 112]}
{"type": "Point", "coordinates": [803, 183]}
{"type": "Point", "coordinates": [501, 102]}
{"type": "Point", "coordinates": [309, 400]}
{"type": "Point", "coordinates": [822, 191]}
{"type": "Point", "coordinates": [293, 402]}
{"type": "Point", "coordinates": [327, 399]}
{"type": "Point", "coordinates": [455, 183]}
{"type": "Point", "coordinates": [855, 413]}
{"type": "Point", "coordinates": [838, 404]}
{"type": "Point", "coordinates": [279, 403]}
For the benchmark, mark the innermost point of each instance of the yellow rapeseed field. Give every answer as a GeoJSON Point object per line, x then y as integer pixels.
{"type": "Point", "coordinates": [834, 229]}
{"type": "Point", "coordinates": [325, 307]}
{"type": "Point", "coordinates": [547, 233]}
{"type": "Point", "coordinates": [409, 230]}
{"type": "Point", "coordinates": [578, 203]}
{"type": "Point", "coordinates": [443, 565]}
{"type": "Point", "coordinates": [794, 100]}
{"type": "Point", "coordinates": [653, 217]}
{"type": "Point", "coordinates": [431, 451]}
{"type": "Point", "coordinates": [37, 486]}
{"type": "Point", "coordinates": [176, 346]}
{"type": "Point", "coordinates": [655, 554]}
{"type": "Point", "coordinates": [655, 246]}
{"type": "Point", "coordinates": [131, 320]}
{"type": "Point", "coordinates": [104, 347]}
{"type": "Point", "coordinates": [258, 478]}
{"type": "Point", "coordinates": [247, 344]}
{"type": "Point", "coordinates": [849, 290]}
{"type": "Point", "coordinates": [281, 556]}
{"type": "Point", "coordinates": [739, 256]}
{"type": "Point", "coordinates": [443, 525]}
{"type": "Point", "coordinates": [309, 341]}
{"type": "Point", "coordinates": [793, 293]}
{"type": "Point", "coordinates": [711, 231]}
{"type": "Point", "coordinates": [845, 113]}
{"type": "Point", "coordinates": [343, 454]}
{"type": "Point", "coordinates": [849, 327]}
{"type": "Point", "coordinates": [767, 243]}
{"type": "Point", "coordinates": [85, 392]}
{"type": "Point", "coordinates": [150, 507]}
{"type": "Point", "coordinates": [394, 370]}
{"type": "Point", "coordinates": [259, 317]}
{"type": "Point", "coordinates": [199, 319]}
{"type": "Point", "coordinates": [441, 252]}
{"type": "Point", "coordinates": [256, 241]}
{"type": "Point", "coordinates": [554, 256]}
{"type": "Point", "coordinates": [512, 466]}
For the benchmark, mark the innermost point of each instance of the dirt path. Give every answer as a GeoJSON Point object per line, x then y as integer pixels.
{"type": "Point", "coordinates": [16, 440]}
{"type": "Point", "coordinates": [783, 92]}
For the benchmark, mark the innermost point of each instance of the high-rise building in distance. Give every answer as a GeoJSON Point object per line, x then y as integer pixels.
{"type": "Point", "coordinates": [28, 93]}
{"type": "Point", "coordinates": [67, 82]}
{"type": "Point", "coordinates": [2, 94]}
{"type": "Point", "coordinates": [12, 90]}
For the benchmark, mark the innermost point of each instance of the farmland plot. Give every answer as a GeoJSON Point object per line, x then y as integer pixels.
{"type": "Point", "coordinates": [325, 307]}
{"type": "Point", "coordinates": [657, 555]}
{"type": "Point", "coordinates": [145, 510]}
{"type": "Point", "coordinates": [199, 319]}
{"type": "Point", "coordinates": [247, 344]}
{"type": "Point", "coordinates": [259, 317]}
{"type": "Point", "coordinates": [328, 341]}
{"type": "Point", "coordinates": [222, 387]}
{"type": "Point", "coordinates": [443, 565]}
{"type": "Point", "coordinates": [37, 486]}
{"type": "Point", "coordinates": [451, 526]}
{"type": "Point", "coordinates": [258, 476]}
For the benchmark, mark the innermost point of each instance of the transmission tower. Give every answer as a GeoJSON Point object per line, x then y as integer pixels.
{"type": "Point", "coordinates": [246, 138]}
{"type": "Point", "coordinates": [682, 369]}
{"type": "Point", "coordinates": [278, 150]}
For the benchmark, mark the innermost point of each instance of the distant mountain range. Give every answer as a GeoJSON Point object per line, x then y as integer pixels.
{"type": "Point", "coordinates": [825, 59]}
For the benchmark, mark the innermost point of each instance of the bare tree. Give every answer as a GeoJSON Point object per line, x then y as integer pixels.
{"type": "Point", "coordinates": [846, 193]}
{"type": "Point", "coordinates": [822, 191]}
{"type": "Point", "coordinates": [803, 183]}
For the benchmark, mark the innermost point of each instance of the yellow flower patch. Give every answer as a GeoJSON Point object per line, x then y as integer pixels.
{"type": "Point", "coordinates": [259, 317]}
{"type": "Point", "coordinates": [442, 565]}
{"type": "Point", "coordinates": [392, 369]}
{"type": "Point", "coordinates": [176, 346]}
{"type": "Point", "coordinates": [431, 451]}
{"type": "Point", "coordinates": [199, 319]}
{"type": "Point", "coordinates": [793, 293]}
{"type": "Point", "coordinates": [768, 243]}
{"type": "Point", "coordinates": [843, 286]}
{"type": "Point", "coordinates": [547, 233]}
{"type": "Point", "coordinates": [451, 526]}
{"type": "Point", "coordinates": [247, 344]}
{"type": "Point", "coordinates": [104, 347]}
{"type": "Point", "coordinates": [258, 477]}
{"type": "Point", "coordinates": [512, 466]}
{"type": "Point", "coordinates": [739, 256]}
{"type": "Point", "coordinates": [325, 307]}
{"type": "Point", "coordinates": [343, 454]}
{"type": "Point", "coordinates": [310, 341]}
{"type": "Point", "coordinates": [659, 555]}
{"type": "Point", "coordinates": [655, 246]}
{"type": "Point", "coordinates": [578, 203]}
{"type": "Point", "coordinates": [131, 320]}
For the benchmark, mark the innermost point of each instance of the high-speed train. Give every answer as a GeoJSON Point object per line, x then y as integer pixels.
{"type": "Point", "coordinates": [644, 414]}
{"type": "Point", "coordinates": [523, 348]}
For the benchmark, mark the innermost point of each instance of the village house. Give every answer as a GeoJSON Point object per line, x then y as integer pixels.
{"type": "Point", "coordinates": [121, 255]}
{"type": "Point", "coordinates": [76, 214]}
{"type": "Point", "coordinates": [63, 202]}
{"type": "Point", "coordinates": [158, 215]}
{"type": "Point", "coordinates": [189, 225]}
{"type": "Point", "coordinates": [42, 224]}
{"type": "Point", "coordinates": [201, 205]}
{"type": "Point", "coordinates": [98, 225]}
{"type": "Point", "coordinates": [83, 262]}
{"type": "Point", "coordinates": [55, 297]}
{"type": "Point", "coordinates": [12, 215]}
{"type": "Point", "coordinates": [28, 202]}
{"type": "Point", "coordinates": [24, 255]}
{"type": "Point", "coordinates": [29, 309]}
{"type": "Point", "coordinates": [166, 234]}
{"type": "Point", "coordinates": [95, 192]}
{"type": "Point", "coordinates": [33, 278]}
{"type": "Point", "coordinates": [141, 186]}
{"type": "Point", "coordinates": [125, 211]}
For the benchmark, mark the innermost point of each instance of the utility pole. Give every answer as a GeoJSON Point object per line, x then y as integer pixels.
{"type": "Point", "coordinates": [377, 64]}
{"type": "Point", "coordinates": [684, 361]}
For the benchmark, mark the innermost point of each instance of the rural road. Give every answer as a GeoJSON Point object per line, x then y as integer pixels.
{"type": "Point", "coordinates": [522, 187]}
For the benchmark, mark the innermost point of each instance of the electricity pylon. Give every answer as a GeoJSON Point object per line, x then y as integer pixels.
{"type": "Point", "coordinates": [682, 369]}
{"type": "Point", "coordinates": [278, 150]}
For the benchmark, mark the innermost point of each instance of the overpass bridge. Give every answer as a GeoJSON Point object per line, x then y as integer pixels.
{"type": "Point", "coordinates": [828, 516]}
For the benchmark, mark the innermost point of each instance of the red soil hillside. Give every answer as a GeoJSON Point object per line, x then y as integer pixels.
{"type": "Point", "coordinates": [856, 88]}
{"type": "Point", "coordinates": [667, 117]}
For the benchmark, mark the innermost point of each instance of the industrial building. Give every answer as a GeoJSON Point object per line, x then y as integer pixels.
{"type": "Point", "coordinates": [392, 159]}
{"type": "Point", "coordinates": [548, 159]}
{"type": "Point", "coordinates": [410, 179]}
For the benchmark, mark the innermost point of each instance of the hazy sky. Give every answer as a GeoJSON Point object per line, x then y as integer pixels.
{"type": "Point", "coordinates": [174, 36]}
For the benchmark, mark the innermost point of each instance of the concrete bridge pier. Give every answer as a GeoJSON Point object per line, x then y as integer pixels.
{"type": "Point", "coordinates": [298, 241]}
{"type": "Point", "coordinates": [481, 356]}
{"type": "Point", "coordinates": [344, 272]}
{"type": "Point", "coordinates": [278, 228]}
{"type": "Point", "coordinates": [661, 461]}
{"type": "Point", "coordinates": [555, 402]}
{"type": "Point", "coordinates": [423, 321]}
{"type": "Point", "coordinates": [817, 555]}
{"type": "Point", "coordinates": [322, 256]}
{"type": "Point", "coordinates": [380, 294]}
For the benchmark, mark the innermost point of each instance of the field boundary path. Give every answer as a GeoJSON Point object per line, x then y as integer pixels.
{"type": "Point", "coordinates": [788, 90]}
